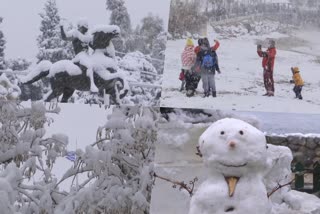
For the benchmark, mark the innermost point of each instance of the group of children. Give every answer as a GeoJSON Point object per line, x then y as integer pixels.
{"type": "Point", "coordinates": [201, 62]}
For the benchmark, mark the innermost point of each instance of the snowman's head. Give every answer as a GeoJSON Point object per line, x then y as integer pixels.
{"type": "Point", "coordinates": [233, 147]}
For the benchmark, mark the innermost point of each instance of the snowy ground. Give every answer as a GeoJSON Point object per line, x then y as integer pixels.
{"type": "Point", "coordinates": [240, 85]}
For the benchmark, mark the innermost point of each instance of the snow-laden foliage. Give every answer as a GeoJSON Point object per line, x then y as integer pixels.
{"type": "Point", "coordinates": [185, 16]}
{"type": "Point", "coordinates": [2, 47]}
{"type": "Point", "coordinates": [137, 68]}
{"type": "Point", "coordinates": [18, 64]}
{"type": "Point", "coordinates": [120, 17]}
{"type": "Point", "coordinates": [51, 46]}
{"type": "Point", "coordinates": [34, 91]}
{"type": "Point", "coordinates": [151, 27]}
{"type": "Point", "coordinates": [248, 27]}
{"type": "Point", "coordinates": [24, 152]}
{"type": "Point", "coordinates": [118, 166]}
{"type": "Point", "coordinates": [158, 51]}
{"type": "Point", "coordinates": [9, 90]}
{"type": "Point", "coordinates": [182, 21]}
{"type": "Point", "coordinates": [116, 171]}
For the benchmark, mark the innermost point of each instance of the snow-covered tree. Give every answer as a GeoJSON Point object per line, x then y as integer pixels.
{"type": "Point", "coordinates": [120, 17]}
{"type": "Point", "coordinates": [158, 51]}
{"type": "Point", "coordinates": [151, 27]}
{"type": "Point", "coordinates": [51, 46]}
{"type": "Point", "coordinates": [18, 64]}
{"type": "Point", "coordinates": [2, 47]}
{"type": "Point", "coordinates": [185, 17]}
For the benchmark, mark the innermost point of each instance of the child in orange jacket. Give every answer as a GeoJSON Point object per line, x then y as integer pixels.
{"type": "Point", "coordinates": [298, 82]}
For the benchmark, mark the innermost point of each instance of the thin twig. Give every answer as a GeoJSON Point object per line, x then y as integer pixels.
{"type": "Point", "coordinates": [182, 185]}
{"type": "Point", "coordinates": [199, 152]}
{"type": "Point", "coordinates": [279, 187]}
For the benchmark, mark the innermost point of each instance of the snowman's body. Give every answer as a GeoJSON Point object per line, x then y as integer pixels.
{"type": "Point", "coordinates": [232, 148]}
{"type": "Point", "coordinates": [212, 197]}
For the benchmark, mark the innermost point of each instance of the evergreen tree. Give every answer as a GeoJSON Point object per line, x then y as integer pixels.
{"type": "Point", "coordinates": [2, 47]}
{"type": "Point", "coordinates": [120, 17]}
{"type": "Point", "coordinates": [51, 46]}
{"type": "Point", "coordinates": [151, 27]}
{"type": "Point", "coordinates": [158, 51]}
{"type": "Point", "coordinates": [185, 17]}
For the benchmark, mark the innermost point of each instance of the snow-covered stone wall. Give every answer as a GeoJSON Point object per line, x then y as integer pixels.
{"type": "Point", "coordinates": [305, 149]}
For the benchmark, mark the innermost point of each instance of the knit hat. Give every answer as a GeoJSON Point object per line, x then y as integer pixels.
{"type": "Point", "coordinates": [189, 42]}
{"type": "Point", "coordinates": [295, 69]}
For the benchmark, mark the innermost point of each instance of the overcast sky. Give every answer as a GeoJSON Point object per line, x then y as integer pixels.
{"type": "Point", "coordinates": [22, 21]}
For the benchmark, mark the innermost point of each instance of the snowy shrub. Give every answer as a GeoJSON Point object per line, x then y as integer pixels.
{"type": "Point", "coordinates": [24, 153]}
{"type": "Point", "coordinates": [8, 90]}
{"type": "Point", "coordinates": [118, 166]}
{"type": "Point", "coordinates": [116, 171]}
{"type": "Point", "coordinates": [140, 70]}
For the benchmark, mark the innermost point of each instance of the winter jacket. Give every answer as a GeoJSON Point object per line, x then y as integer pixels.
{"type": "Point", "coordinates": [268, 58]}
{"type": "Point", "coordinates": [204, 51]}
{"type": "Point", "coordinates": [297, 79]}
{"type": "Point", "coordinates": [188, 58]}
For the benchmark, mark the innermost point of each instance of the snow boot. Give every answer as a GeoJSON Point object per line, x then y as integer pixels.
{"type": "Point", "coordinates": [190, 93]}
{"type": "Point", "coordinates": [206, 94]}
{"type": "Point", "coordinates": [214, 94]}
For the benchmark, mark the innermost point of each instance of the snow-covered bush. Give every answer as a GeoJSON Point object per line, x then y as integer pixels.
{"type": "Point", "coordinates": [118, 166]}
{"type": "Point", "coordinates": [24, 155]}
{"type": "Point", "coordinates": [8, 90]}
{"type": "Point", "coordinates": [139, 69]}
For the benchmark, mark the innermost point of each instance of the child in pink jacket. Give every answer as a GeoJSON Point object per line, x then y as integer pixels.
{"type": "Point", "coordinates": [188, 58]}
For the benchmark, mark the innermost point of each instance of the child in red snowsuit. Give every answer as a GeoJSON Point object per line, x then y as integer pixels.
{"type": "Point", "coordinates": [268, 58]}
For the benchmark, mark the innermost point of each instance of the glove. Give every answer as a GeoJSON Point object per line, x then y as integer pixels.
{"type": "Point", "coordinates": [219, 72]}
{"type": "Point", "coordinates": [291, 81]}
{"type": "Point", "coordinates": [259, 47]}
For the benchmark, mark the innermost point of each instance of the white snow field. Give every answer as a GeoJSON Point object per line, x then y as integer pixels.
{"type": "Point", "coordinates": [240, 85]}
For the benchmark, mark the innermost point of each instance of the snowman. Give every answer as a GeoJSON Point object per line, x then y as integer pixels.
{"type": "Point", "coordinates": [235, 158]}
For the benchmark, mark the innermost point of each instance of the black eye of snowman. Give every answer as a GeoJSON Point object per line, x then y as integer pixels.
{"type": "Point", "coordinates": [222, 132]}
{"type": "Point", "coordinates": [241, 132]}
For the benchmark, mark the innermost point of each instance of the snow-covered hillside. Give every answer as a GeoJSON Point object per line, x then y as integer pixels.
{"type": "Point", "coordinates": [240, 85]}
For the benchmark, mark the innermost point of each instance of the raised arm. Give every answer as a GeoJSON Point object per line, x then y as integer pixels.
{"type": "Point", "coordinates": [216, 45]}
{"type": "Point", "coordinates": [64, 36]}
{"type": "Point", "coordinates": [260, 52]}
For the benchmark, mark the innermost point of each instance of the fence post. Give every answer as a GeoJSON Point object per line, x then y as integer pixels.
{"type": "Point", "coordinates": [299, 176]}
{"type": "Point", "coordinates": [316, 176]}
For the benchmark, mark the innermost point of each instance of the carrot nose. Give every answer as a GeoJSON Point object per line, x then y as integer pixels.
{"type": "Point", "coordinates": [232, 145]}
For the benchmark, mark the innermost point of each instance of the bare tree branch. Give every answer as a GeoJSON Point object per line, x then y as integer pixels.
{"type": "Point", "coordinates": [181, 184]}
